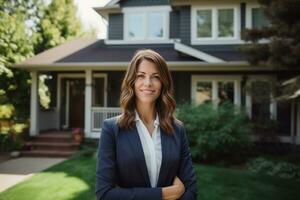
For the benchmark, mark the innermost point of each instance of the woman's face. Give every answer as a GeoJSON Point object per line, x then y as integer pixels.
{"type": "Point", "coordinates": [147, 86]}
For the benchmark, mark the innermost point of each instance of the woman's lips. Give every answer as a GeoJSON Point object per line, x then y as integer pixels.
{"type": "Point", "coordinates": [147, 91]}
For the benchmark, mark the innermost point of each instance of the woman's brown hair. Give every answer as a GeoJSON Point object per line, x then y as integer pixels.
{"type": "Point", "coordinates": [165, 103]}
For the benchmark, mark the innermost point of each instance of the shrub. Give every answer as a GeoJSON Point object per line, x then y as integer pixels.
{"type": "Point", "coordinates": [215, 134]}
{"type": "Point", "coordinates": [11, 137]}
{"type": "Point", "coordinates": [281, 169]}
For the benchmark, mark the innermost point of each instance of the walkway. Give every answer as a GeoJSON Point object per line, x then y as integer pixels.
{"type": "Point", "coordinates": [16, 170]}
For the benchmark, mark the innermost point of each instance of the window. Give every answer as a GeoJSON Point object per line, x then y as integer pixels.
{"type": "Point", "coordinates": [225, 23]}
{"type": "Point", "coordinates": [258, 18]}
{"type": "Point", "coordinates": [216, 89]}
{"type": "Point", "coordinates": [135, 25]}
{"type": "Point", "coordinates": [156, 27]}
{"type": "Point", "coordinates": [259, 95]}
{"type": "Point", "coordinates": [255, 17]}
{"type": "Point", "coordinates": [204, 23]}
{"type": "Point", "coordinates": [215, 23]}
{"type": "Point", "coordinates": [204, 92]}
{"type": "Point", "coordinates": [225, 91]}
{"type": "Point", "coordinates": [261, 100]}
{"type": "Point", "coordinates": [146, 23]}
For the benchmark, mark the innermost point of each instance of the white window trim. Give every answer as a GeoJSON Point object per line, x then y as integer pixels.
{"type": "Point", "coordinates": [273, 104]}
{"type": "Point", "coordinates": [164, 10]}
{"type": "Point", "coordinates": [215, 79]}
{"type": "Point", "coordinates": [236, 39]}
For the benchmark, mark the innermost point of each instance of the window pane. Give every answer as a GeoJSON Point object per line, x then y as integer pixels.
{"type": "Point", "coordinates": [260, 92]}
{"type": "Point", "coordinates": [155, 25]}
{"type": "Point", "coordinates": [259, 19]}
{"type": "Point", "coordinates": [284, 117]}
{"type": "Point", "coordinates": [98, 92]}
{"type": "Point", "coordinates": [135, 26]}
{"type": "Point", "coordinates": [226, 92]}
{"type": "Point", "coordinates": [226, 21]}
{"type": "Point", "coordinates": [203, 92]}
{"type": "Point", "coordinates": [204, 23]}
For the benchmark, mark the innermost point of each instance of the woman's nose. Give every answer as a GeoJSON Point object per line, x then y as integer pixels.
{"type": "Point", "coordinates": [147, 81]}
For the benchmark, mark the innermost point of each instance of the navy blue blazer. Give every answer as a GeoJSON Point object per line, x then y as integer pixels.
{"type": "Point", "coordinates": [122, 174]}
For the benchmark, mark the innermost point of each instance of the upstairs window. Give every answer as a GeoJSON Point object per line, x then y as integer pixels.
{"type": "Point", "coordinates": [214, 23]}
{"type": "Point", "coordinates": [259, 19]}
{"type": "Point", "coordinates": [256, 17]}
{"type": "Point", "coordinates": [146, 23]}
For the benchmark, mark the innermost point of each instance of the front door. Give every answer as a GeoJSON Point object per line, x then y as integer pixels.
{"type": "Point", "coordinates": [76, 102]}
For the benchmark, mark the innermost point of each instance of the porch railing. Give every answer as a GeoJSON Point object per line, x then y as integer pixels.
{"type": "Point", "coordinates": [99, 114]}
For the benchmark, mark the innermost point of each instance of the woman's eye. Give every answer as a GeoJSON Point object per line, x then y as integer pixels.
{"type": "Point", "coordinates": [140, 75]}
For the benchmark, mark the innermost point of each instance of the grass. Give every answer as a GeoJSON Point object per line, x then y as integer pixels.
{"type": "Point", "coordinates": [75, 179]}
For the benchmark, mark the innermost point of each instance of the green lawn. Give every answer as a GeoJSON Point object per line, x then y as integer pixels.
{"type": "Point", "coordinates": [75, 179]}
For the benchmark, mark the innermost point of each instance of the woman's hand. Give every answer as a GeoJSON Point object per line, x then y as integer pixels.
{"type": "Point", "coordinates": [180, 186]}
{"type": "Point", "coordinates": [173, 192]}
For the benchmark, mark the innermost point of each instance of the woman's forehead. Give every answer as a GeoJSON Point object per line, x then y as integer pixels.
{"type": "Point", "coordinates": [147, 67]}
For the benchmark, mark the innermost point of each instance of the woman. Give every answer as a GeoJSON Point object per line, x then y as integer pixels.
{"type": "Point", "coordinates": [143, 153]}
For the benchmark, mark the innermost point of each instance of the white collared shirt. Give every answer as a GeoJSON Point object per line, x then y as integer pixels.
{"type": "Point", "coordinates": [151, 147]}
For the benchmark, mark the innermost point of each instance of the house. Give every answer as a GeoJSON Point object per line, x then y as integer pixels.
{"type": "Point", "coordinates": [200, 41]}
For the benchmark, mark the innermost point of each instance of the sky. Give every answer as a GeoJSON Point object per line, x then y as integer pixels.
{"type": "Point", "coordinates": [91, 18]}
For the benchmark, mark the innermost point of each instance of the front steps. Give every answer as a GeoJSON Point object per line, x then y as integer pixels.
{"type": "Point", "coordinates": [51, 144]}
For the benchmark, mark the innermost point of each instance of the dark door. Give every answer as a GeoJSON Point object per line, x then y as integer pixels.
{"type": "Point", "coordinates": [76, 114]}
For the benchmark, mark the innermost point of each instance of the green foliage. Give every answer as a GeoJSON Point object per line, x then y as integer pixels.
{"type": "Point", "coordinates": [281, 169]}
{"type": "Point", "coordinates": [11, 135]}
{"type": "Point", "coordinates": [58, 24]}
{"type": "Point", "coordinates": [215, 134]}
{"type": "Point", "coordinates": [14, 47]}
{"type": "Point", "coordinates": [283, 48]}
{"type": "Point", "coordinates": [27, 28]}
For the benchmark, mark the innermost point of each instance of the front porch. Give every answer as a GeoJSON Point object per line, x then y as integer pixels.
{"type": "Point", "coordinates": [80, 102]}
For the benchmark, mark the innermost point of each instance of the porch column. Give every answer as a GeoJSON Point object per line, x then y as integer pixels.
{"type": "Point", "coordinates": [237, 93]}
{"type": "Point", "coordinates": [88, 103]}
{"type": "Point", "coordinates": [215, 97]}
{"type": "Point", "coordinates": [34, 105]}
{"type": "Point", "coordinates": [297, 122]}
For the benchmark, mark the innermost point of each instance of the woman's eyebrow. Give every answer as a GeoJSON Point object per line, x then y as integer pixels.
{"type": "Point", "coordinates": [155, 73]}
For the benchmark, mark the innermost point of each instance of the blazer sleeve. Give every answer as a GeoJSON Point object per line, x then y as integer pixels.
{"type": "Point", "coordinates": [106, 172]}
{"type": "Point", "coordinates": [186, 171]}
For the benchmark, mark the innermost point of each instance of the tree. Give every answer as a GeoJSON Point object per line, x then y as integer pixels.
{"type": "Point", "coordinates": [26, 28]}
{"type": "Point", "coordinates": [14, 47]}
{"type": "Point", "coordinates": [283, 34]}
{"type": "Point", "coordinates": [58, 25]}
{"type": "Point", "coordinates": [282, 51]}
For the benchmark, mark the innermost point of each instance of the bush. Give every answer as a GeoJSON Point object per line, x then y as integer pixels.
{"type": "Point", "coordinates": [281, 169]}
{"type": "Point", "coordinates": [11, 136]}
{"type": "Point", "coordinates": [215, 134]}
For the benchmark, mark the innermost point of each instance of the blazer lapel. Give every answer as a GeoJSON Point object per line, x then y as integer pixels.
{"type": "Point", "coordinates": [137, 149]}
{"type": "Point", "coordinates": [165, 148]}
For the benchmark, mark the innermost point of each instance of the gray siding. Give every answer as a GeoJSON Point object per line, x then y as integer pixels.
{"type": "Point", "coordinates": [174, 21]}
{"type": "Point", "coordinates": [182, 87]}
{"type": "Point", "coordinates": [129, 3]}
{"type": "Point", "coordinates": [115, 26]}
{"type": "Point", "coordinates": [185, 24]}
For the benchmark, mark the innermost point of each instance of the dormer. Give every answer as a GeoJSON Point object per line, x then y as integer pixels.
{"type": "Point", "coordinates": [137, 21]}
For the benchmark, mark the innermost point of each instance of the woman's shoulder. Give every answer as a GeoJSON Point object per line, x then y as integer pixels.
{"type": "Point", "coordinates": [112, 121]}
{"type": "Point", "coordinates": [178, 125]}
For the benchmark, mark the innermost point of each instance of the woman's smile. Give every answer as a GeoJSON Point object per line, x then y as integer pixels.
{"type": "Point", "coordinates": [148, 91]}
